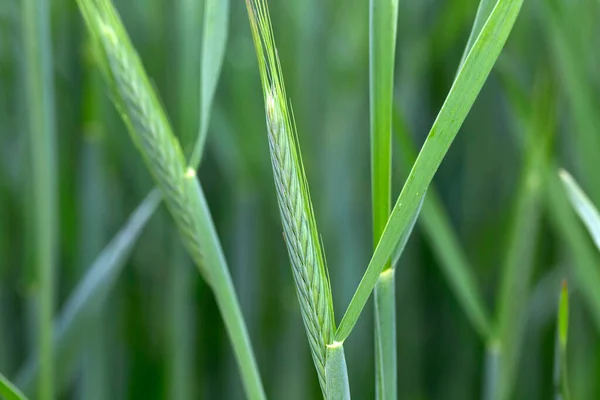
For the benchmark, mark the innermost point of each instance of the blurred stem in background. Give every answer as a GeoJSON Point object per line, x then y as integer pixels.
{"type": "Point", "coordinates": [445, 242]}
{"type": "Point", "coordinates": [40, 115]}
{"type": "Point", "coordinates": [180, 328]}
{"type": "Point", "coordinates": [93, 211]}
{"type": "Point", "coordinates": [561, 383]}
{"type": "Point", "coordinates": [383, 18]}
{"type": "Point", "coordinates": [518, 264]}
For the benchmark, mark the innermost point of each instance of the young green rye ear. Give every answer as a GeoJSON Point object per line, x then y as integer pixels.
{"type": "Point", "coordinates": [299, 225]}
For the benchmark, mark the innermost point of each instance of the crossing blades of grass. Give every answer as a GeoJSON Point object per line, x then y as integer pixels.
{"type": "Point", "coordinates": [8, 391]}
{"type": "Point", "coordinates": [583, 206]}
{"type": "Point", "coordinates": [462, 95]}
{"type": "Point", "coordinates": [100, 277]}
{"type": "Point", "coordinates": [299, 226]}
{"type": "Point", "coordinates": [88, 297]}
{"type": "Point", "coordinates": [152, 134]}
{"type": "Point", "coordinates": [40, 103]}
{"type": "Point", "coordinates": [382, 45]}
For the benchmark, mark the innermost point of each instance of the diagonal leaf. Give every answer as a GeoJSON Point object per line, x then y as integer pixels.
{"type": "Point", "coordinates": [462, 95]}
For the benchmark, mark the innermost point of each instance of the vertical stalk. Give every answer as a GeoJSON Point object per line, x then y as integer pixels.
{"type": "Point", "coordinates": [491, 370]}
{"type": "Point", "coordinates": [382, 43]}
{"type": "Point", "coordinates": [520, 257]}
{"type": "Point", "coordinates": [95, 357]}
{"type": "Point", "coordinates": [39, 95]}
{"type": "Point", "coordinates": [180, 343]}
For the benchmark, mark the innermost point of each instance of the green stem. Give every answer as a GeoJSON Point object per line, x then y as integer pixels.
{"type": "Point", "coordinates": [336, 373]}
{"type": "Point", "coordinates": [564, 382]}
{"type": "Point", "coordinates": [382, 44]}
{"type": "Point", "coordinates": [38, 65]}
{"type": "Point", "coordinates": [385, 336]}
{"type": "Point", "coordinates": [180, 329]}
{"type": "Point", "coordinates": [492, 366]}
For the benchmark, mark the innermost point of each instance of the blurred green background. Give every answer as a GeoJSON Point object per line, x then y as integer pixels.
{"type": "Point", "coordinates": [158, 333]}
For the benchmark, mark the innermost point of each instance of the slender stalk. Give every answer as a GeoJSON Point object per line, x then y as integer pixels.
{"type": "Point", "coordinates": [180, 326]}
{"type": "Point", "coordinates": [491, 370]}
{"type": "Point", "coordinates": [382, 30]}
{"type": "Point", "coordinates": [40, 100]}
{"type": "Point", "coordinates": [94, 383]}
{"type": "Point", "coordinates": [338, 387]}
{"type": "Point", "coordinates": [385, 336]}
{"type": "Point", "coordinates": [518, 264]}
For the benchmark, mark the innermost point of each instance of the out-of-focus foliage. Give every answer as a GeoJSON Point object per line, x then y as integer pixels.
{"type": "Point", "coordinates": [127, 349]}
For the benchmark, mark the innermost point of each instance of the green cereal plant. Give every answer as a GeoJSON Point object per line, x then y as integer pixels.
{"type": "Point", "coordinates": [151, 132]}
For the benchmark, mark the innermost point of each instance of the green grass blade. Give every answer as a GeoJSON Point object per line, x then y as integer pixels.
{"type": "Point", "coordinates": [40, 101]}
{"type": "Point", "coordinates": [463, 93]}
{"type": "Point", "coordinates": [152, 134]}
{"type": "Point", "coordinates": [299, 225]}
{"type": "Point", "coordinates": [214, 41]}
{"type": "Point", "coordinates": [8, 391]}
{"type": "Point", "coordinates": [583, 206]}
{"type": "Point", "coordinates": [89, 295]}
{"type": "Point", "coordinates": [382, 49]}
{"type": "Point", "coordinates": [445, 243]}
